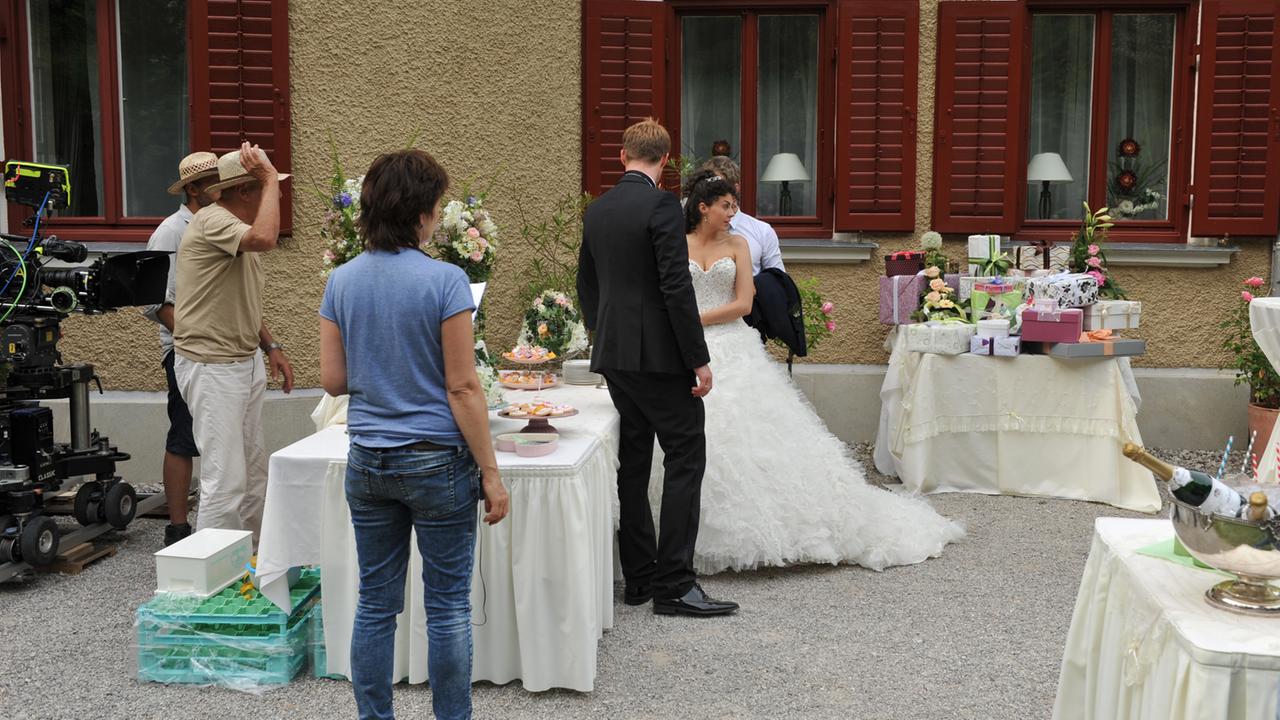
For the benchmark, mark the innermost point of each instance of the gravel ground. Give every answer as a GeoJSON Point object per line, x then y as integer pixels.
{"type": "Point", "coordinates": [977, 633]}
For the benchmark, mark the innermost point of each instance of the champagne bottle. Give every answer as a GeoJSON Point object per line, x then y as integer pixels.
{"type": "Point", "coordinates": [1257, 510]}
{"type": "Point", "coordinates": [1190, 486]}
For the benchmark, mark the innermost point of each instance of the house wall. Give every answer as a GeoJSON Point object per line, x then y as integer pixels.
{"type": "Point", "coordinates": [493, 91]}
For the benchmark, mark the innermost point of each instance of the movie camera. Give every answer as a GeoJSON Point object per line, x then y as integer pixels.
{"type": "Point", "coordinates": [42, 281]}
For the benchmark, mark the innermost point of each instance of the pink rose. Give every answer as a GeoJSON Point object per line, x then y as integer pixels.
{"type": "Point", "coordinates": [827, 308]}
{"type": "Point", "coordinates": [1246, 296]}
{"type": "Point", "coordinates": [831, 326]}
{"type": "Point", "coordinates": [472, 232]}
{"type": "Point", "coordinates": [484, 244]}
{"type": "Point", "coordinates": [937, 284]}
{"type": "Point", "coordinates": [1094, 262]}
{"type": "Point", "coordinates": [476, 256]}
{"type": "Point", "coordinates": [1102, 279]}
{"type": "Point", "coordinates": [328, 255]}
{"type": "Point", "coordinates": [1254, 282]}
{"type": "Point", "coordinates": [1093, 249]}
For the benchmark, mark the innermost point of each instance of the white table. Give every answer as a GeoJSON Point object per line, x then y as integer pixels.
{"type": "Point", "coordinates": [1264, 320]}
{"type": "Point", "coordinates": [542, 594]}
{"type": "Point", "coordinates": [1025, 425]}
{"type": "Point", "coordinates": [1144, 644]}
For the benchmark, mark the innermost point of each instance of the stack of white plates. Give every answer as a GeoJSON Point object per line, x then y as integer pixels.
{"type": "Point", "coordinates": [578, 372]}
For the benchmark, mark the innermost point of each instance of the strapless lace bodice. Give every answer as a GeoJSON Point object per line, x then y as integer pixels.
{"type": "Point", "coordinates": [714, 286]}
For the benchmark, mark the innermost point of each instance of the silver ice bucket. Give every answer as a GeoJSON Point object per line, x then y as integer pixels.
{"type": "Point", "coordinates": [1246, 549]}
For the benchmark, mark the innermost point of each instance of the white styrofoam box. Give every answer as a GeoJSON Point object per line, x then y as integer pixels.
{"type": "Point", "coordinates": [993, 328]}
{"type": "Point", "coordinates": [204, 562]}
{"type": "Point", "coordinates": [1113, 315]}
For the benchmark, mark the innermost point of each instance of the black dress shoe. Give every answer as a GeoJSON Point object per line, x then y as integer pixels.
{"type": "Point", "coordinates": [694, 603]}
{"type": "Point", "coordinates": [637, 595]}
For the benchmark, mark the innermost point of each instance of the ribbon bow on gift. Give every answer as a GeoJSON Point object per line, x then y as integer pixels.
{"type": "Point", "coordinates": [1047, 309]}
{"type": "Point", "coordinates": [995, 263]}
{"type": "Point", "coordinates": [1096, 336]}
{"type": "Point", "coordinates": [906, 255]}
{"type": "Point", "coordinates": [1042, 246]}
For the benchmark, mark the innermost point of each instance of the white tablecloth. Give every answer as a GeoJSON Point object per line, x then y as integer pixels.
{"type": "Point", "coordinates": [1144, 644]}
{"type": "Point", "coordinates": [1264, 319]}
{"type": "Point", "coordinates": [1025, 425]}
{"type": "Point", "coordinates": [543, 591]}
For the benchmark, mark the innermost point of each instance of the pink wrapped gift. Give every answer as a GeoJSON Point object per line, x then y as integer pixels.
{"type": "Point", "coordinates": [899, 297]}
{"type": "Point", "coordinates": [1041, 323]}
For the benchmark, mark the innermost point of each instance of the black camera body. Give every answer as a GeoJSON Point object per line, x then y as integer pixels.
{"type": "Point", "coordinates": [42, 281]}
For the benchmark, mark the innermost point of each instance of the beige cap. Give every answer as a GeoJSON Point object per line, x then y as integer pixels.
{"type": "Point", "coordinates": [231, 172]}
{"type": "Point", "coordinates": [193, 167]}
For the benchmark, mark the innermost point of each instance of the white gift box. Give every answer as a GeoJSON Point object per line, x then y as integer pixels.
{"type": "Point", "coordinates": [982, 246]}
{"type": "Point", "coordinates": [1113, 315]}
{"type": "Point", "coordinates": [993, 328]}
{"type": "Point", "coordinates": [1071, 290]}
{"type": "Point", "coordinates": [203, 563]}
{"type": "Point", "coordinates": [941, 338]}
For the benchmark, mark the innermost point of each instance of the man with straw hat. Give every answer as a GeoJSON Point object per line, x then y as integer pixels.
{"type": "Point", "coordinates": [219, 337]}
{"type": "Point", "coordinates": [196, 173]}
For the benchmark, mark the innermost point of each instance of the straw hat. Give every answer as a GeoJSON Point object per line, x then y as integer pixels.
{"type": "Point", "coordinates": [231, 172]}
{"type": "Point", "coordinates": [193, 167]}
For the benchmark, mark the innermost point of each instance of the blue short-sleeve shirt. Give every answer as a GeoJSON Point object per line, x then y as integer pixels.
{"type": "Point", "coordinates": [389, 307]}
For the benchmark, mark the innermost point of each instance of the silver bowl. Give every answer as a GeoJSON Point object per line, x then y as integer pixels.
{"type": "Point", "coordinates": [1246, 549]}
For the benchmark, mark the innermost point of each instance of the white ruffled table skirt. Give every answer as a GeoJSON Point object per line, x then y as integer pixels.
{"type": "Point", "coordinates": [1144, 644]}
{"type": "Point", "coordinates": [1025, 425]}
{"type": "Point", "coordinates": [542, 593]}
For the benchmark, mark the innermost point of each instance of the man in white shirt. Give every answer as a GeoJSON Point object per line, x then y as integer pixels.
{"type": "Point", "coordinates": [196, 173]}
{"type": "Point", "coordinates": [761, 238]}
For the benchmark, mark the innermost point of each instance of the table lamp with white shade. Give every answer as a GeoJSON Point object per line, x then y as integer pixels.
{"type": "Point", "coordinates": [785, 168]}
{"type": "Point", "coordinates": [1047, 168]}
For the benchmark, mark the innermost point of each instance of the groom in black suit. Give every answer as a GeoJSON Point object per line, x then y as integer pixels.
{"type": "Point", "coordinates": [635, 292]}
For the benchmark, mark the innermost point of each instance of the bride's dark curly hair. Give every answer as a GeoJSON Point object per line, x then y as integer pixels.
{"type": "Point", "coordinates": [704, 186]}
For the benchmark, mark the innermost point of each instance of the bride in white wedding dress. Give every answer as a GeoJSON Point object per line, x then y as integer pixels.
{"type": "Point", "coordinates": [779, 488]}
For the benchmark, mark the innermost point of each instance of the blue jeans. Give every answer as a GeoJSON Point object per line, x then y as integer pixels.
{"type": "Point", "coordinates": [435, 493]}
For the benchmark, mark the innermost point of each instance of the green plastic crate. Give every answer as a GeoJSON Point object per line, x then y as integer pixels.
{"type": "Point", "coordinates": [239, 655]}
{"type": "Point", "coordinates": [229, 608]}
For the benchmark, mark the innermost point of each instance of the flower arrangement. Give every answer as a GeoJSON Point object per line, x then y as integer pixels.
{"type": "Point", "coordinates": [1247, 359]}
{"type": "Point", "coordinates": [819, 323]}
{"type": "Point", "coordinates": [1087, 254]}
{"type": "Point", "coordinates": [553, 323]}
{"type": "Point", "coordinates": [931, 242]}
{"type": "Point", "coordinates": [1135, 184]}
{"type": "Point", "coordinates": [467, 237]}
{"type": "Point", "coordinates": [939, 301]}
{"type": "Point", "coordinates": [338, 227]}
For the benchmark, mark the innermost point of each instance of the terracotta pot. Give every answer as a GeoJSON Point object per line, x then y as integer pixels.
{"type": "Point", "coordinates": [1261, 421]}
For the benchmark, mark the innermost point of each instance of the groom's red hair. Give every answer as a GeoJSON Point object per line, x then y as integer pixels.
{"type": "Point", "coordinates": [647, 140]}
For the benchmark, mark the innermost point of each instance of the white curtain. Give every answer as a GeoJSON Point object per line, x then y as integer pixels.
{"type": "Point", "coordinates": [1061, 107]}
{"type": "Point", "coordinates": [710, 85]}
{"type": "Point", "coordinates": [787, 107]}
{"type": "Point", "coordinates": [1141, 108]}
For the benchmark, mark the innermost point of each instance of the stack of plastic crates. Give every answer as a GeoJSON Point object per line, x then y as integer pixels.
{"type": "Point", "coordinates": [226, 639]}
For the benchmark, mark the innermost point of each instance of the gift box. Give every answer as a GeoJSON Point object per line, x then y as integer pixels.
{"type": "Point", "coordinates": [993, 328]}
{"type": "Point", "coordinates": [1008, 346]}
{"type": "Point", "coordinates": [984, 249]}
{"type": "Point", "coordinates": [968, 282]}
{"type": "Point", "coordinates": [979, 345]}
{"type": "Point", "coordinates": [1096, 348]}
{"type": "Point", "coordinates": [1044, 323]}
{"type": "Point", "coordinates": [942, 338]}
{"type": "Point", "coordinates": [1071, 290]}
{"type": "Point", "coordinates": [1030, 257]}
{"type": "Point", "coordinates": [907, 262]}
{"type": "Point", "coordinates": [899, 297]}
{"type": "Point", "coordinates": [1113, 315]}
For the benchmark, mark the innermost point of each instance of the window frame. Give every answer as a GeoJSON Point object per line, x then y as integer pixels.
{"type": "Point", "coordinates": [821, 224]}
{"type": "Point", "coordinates": [112, 225]}
{"type": "Point", "coordinates": [1175, 228]}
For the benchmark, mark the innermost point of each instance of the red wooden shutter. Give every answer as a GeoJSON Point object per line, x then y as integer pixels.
{"type": "Point", "coordinates": [1237, 153]}
{"type": "Point", "coordinates": [623, 61]}
{"type": "Point", "coordinates": [978, 135]}
{"type": "Point", "coordinates": [239, 55]}
{"type": "Point", "coordinates": [877, 60]}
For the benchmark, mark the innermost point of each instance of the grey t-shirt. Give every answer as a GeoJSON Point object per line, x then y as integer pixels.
{"type": "Point", "coordinates": [167, 238]}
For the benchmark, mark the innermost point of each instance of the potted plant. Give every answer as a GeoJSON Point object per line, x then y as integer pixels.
{"type": "Point", "coordinates": [1251, 365]}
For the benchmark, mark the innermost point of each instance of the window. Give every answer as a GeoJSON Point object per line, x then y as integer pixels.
{"type": "Point", "coordinates": [749, 87]}
{"type": "Point", "coordinates": [1101, 116]}
{"type": "Point", "coordinates": [121, 90]}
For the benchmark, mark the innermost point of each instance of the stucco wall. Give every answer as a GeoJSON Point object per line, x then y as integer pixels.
{"type": "Point", "coordinates": [494, 89]}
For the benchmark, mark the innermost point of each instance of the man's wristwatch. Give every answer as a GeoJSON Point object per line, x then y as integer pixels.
{"type": "Point", "coordinates": [274, 346]}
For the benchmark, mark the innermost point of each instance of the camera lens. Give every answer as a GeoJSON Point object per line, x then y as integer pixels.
{"type": "Point", "coordinates": [63, 299]}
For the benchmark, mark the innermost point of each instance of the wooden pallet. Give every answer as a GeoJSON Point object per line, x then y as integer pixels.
{"type": "Point", "coordinates": [63, 503]}
{"type": "Point", "coordinates": [75, 560]}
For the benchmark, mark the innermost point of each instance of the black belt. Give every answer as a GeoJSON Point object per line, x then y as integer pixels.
{"type": "Point", "coordinates": [420, 446]}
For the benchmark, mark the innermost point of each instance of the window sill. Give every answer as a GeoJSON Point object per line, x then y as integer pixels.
{"type": "Point", "coordinates": [827, 252]}
{"type": "Point", "coordinates": [1181, 255]}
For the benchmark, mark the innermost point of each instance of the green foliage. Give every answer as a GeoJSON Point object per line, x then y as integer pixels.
{"type": "Point", "coordinates": [553, 246]}
{"type": "Point", "coordinates": [1089, 255]}
{"type": "Point", "coordinates": [1247, 359]}
{"type": "Point", "coordinates": [818, 324]}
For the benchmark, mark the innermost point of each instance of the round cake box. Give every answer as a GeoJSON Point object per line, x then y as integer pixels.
{"type": "Point", "coordinates": [509, 442]}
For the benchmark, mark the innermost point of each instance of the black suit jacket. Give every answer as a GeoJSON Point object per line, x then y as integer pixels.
{"type": "Point", "coordinates": [634, 284]}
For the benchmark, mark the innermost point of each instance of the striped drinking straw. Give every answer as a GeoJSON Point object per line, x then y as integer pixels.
{"type": "Point", "coordinates": [1222, 466]}
{"type": "Point", "coordinates": [1244, 461]}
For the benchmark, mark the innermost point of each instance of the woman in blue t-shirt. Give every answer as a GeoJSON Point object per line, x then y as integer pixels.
{"type": "Point", "coordinates": [395, 334]}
